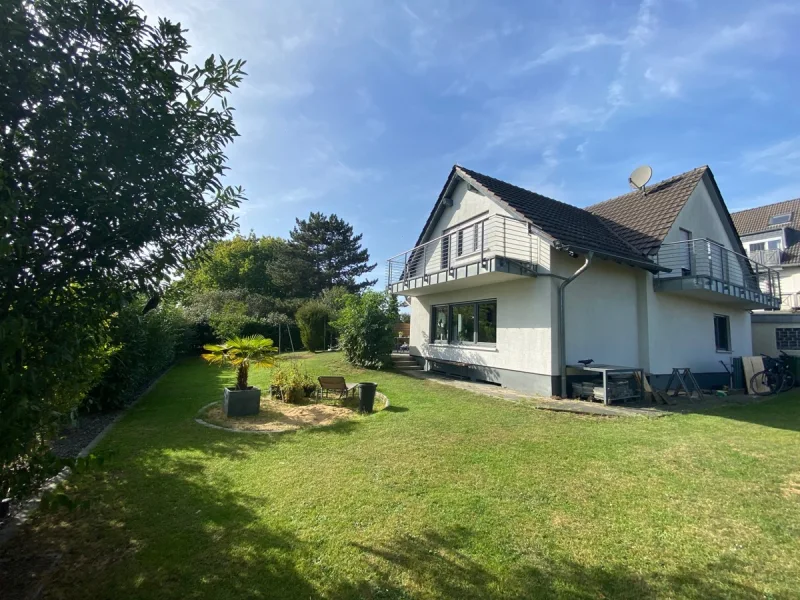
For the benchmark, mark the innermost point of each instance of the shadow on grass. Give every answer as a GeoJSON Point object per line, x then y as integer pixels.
{"type": "Point", "coordinates": [439, 565]}
{"type": "Point", "coordinates": [396, 409]}
{"type": "Point", "coordinates": [191, 538]}
{"type": "Point", "coordinates": [781, 412]}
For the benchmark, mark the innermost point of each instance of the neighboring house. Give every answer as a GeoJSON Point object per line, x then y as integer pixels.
{"type": "Point", "coordinates": [771, 235]}
{"type": "Point", "coordinates": [660, 281]}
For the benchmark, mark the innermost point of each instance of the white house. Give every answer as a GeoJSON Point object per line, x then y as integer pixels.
{"type": "Point", "coordinates": [771, 235]}
{"type": "Point", "coordinates": [500, 276]}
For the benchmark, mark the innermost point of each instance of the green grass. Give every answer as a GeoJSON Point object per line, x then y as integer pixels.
{"type": "Point", "coordinates": [447, 494]}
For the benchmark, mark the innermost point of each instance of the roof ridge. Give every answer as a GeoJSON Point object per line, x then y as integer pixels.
{"type": "Point", "coordinates": [762, 207]}
{"type": "Point", "coordinates": [658, 183]}
{"type": "Point", "coordinates": [601, 221]}
{"type": "Point", "coordinates": [519, 187]}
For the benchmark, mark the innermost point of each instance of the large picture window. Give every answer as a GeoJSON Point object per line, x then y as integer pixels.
{"type": "Point", "coordinates": [440, 324]}
{"type": "Point", "coordinates": [462, 323]}
{"type": "Point", "coordinates": [487, 322]}
{"type": "Point", "coordinates": [465, 323]}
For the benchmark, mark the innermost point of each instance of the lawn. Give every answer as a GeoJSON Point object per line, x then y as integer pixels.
{"type": "Point", "coordinates": [447, 494]}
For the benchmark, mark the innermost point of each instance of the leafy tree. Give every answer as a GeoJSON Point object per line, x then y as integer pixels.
{"type": "Point", "coordinates": [334, 252]}
{"type": "Point", "coordinates": [111, 159]}
{"type": "Point", "coordinates": [366, 329]}
{"type": "Point", "coordinates": [237, 263]}
{"type": "Point", "coordinates": [312, 319]}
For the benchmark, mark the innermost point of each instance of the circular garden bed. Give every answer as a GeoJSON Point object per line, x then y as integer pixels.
{"type": "Point", "coordinates": [277, 416]}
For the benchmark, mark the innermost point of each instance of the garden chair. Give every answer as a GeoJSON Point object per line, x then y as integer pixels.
{"type": "Point", "coordinates": [338, 386]}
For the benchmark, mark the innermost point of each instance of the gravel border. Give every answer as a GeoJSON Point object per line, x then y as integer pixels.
{"type": "Point", "coordinates": [22, 510]}
{"type": "Point", "coordinates": [198, 420]}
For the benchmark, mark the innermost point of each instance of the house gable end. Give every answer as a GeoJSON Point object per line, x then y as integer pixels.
{"type": "Point", "coordinates": [706, 216]}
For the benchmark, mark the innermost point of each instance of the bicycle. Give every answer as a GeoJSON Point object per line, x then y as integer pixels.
{"type": "Point", "coordinates": [775, 378]}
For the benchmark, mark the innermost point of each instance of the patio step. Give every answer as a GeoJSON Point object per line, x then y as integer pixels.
{"type": "Point", "coordinates": [404, 362]}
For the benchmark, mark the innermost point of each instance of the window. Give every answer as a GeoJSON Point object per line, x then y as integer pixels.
{"type": "Point", "coordinates": [465, 323]}
{"type": "Point", "coordinates": [780, 219]}
{"type": "Point", "coordinates": [787, 338]}
{"type": "Point", "coordinates": [444, 259]}
{"type": "Point", "coordinates": [686, 258]}
{"type": "Point", "coordinates": [462, 323]}
{"type": "Point", "coordinates": [460, 242]}
{"type": "Point", "coordinates": [476, 232]}
{"type": "Point", "coordinates": [774, 244]}
{"type": "Point", "coordinates": [440, 324]}
{"type": "Point", "coordinates": [757, 247]}
{"type": "Point", "coordinates": [487, 322]}
{"type": "Point", "coordinates": [722, 333]}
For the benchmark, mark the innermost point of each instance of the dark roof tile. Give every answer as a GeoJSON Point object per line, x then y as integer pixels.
{"type": "Point", "coordinates": [644, 219]}
{"type": "Point", "coordinates": [756, 220]}
{"type": "Point", "coordinates": [570, 225]}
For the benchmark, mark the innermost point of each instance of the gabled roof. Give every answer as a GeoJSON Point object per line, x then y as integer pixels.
{"type": "Point", "coordinates": [756, 220]}
{"type": "Point", "coordinates": [570, 226]}
{"type": "Point", "coordinates": [629, 228]}
{"type": "Point", "coordinates": [644, 219]}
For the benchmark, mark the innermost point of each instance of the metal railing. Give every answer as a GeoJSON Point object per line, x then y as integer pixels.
{"type": "Point", "coordinates": [706, 258]}
{"type": "Point", "coordinates": [790, 301]}
{"type": "Point", "coordinates": [475, 242]}
{"type": "Point", "coordinates": [770, 258]}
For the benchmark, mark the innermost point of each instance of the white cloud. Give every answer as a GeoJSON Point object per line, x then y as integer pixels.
{"type": "Point", "coordinates": [568, 47]}
{"type": "Point", "coordinates": [781, 158]}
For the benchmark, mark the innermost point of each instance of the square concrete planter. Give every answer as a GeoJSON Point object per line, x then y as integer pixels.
{"type": "Point", "coordinates": [241, 403]}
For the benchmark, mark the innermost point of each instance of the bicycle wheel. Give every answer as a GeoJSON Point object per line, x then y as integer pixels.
{"type": "Point", "coordinates": [788, 382]}
{"type": "Point", "coordinates": [764, 383]}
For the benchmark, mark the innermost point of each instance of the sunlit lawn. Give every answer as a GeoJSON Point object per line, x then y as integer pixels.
{"type": "Point", "coordinates": [447, 494]}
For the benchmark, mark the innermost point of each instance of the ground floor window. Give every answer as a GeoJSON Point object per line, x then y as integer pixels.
{"type": "Point", "coordinates": [787, 338]}
{"type": "Point", "coordinates": [722, 333]}
{"type": "Point", "coordinates": [465, 323]}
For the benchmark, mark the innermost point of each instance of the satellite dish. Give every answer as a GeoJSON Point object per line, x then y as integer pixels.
{"type": "Point", "coordinates": [640, 177]}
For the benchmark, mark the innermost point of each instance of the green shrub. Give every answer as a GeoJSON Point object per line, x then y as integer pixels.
{"type": "Point", "coordinates": [312, 319]}
{"type": "Point", "coordinates": [293, 382]}
{"type": "Point", "coordinates": [366, 329]}
{"type": "Point", "coordinates": [141, 348]}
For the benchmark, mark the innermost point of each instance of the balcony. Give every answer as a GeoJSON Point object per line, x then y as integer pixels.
{"type": "Point", "coordinates": [493, 249]}
{"type": "Point", "coordinates": [704, 268]}
{"type": "Point", "coordinates": [770, 257]}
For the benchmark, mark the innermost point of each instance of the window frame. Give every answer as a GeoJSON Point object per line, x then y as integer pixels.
{"type": "Point", "coordinates": [476, 323]}
{"type": "Point", "coordinates": [727, 320]}
{"type": "Point", "coordinates": [787, 218]}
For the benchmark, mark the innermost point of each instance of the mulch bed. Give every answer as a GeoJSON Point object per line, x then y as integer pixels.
{"type": "Point", "coordinates": [277, 416]}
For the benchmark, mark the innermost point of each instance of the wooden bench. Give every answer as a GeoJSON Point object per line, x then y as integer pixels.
{"type": "Point", "coordinates": [336, 385]}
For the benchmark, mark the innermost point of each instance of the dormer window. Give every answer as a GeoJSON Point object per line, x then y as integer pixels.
{"type": "Point", "coordinates": [780, 219]}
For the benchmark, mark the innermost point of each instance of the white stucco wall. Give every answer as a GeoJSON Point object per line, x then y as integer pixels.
{"type": "Point", "coordinates": [700, 215]}
{"type": "Point", "coordinates": [790, 287]}
{"type": "Point", "coordinates": [681, 331]}
{"type": "Point", "coordinates": [764, 341]}
{"type": "Point", "coordinates": [601, 311]}
{"type": "Point", "coordinates": [524, 316]}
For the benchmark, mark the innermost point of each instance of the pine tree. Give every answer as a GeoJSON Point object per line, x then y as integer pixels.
{"type": "Point", "coordinates": [328, 245]}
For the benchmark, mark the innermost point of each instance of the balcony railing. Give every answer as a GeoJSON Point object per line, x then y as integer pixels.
{"type": "Point", "coordinates": [468, 250]}
{"type": "Point", "coordinates": [706, 259]}
{"type": "Point", "coordinates": [769, 257]}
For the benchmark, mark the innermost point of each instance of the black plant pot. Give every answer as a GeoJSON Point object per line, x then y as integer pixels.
{"type": "Point", "coordinates": [241, 403]}
{"type": "Point", "coordinates": [366, 397]}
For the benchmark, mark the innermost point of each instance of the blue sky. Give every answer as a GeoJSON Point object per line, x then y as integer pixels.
{"type": "Point", "coordinates": [360, 107]}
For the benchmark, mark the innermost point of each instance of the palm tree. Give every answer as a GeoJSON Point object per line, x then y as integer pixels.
{"type": "Point", "coordinates": [241, 353]}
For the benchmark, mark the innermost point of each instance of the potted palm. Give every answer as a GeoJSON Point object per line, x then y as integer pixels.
{"type": "Point", "coordinates": [241, 353]}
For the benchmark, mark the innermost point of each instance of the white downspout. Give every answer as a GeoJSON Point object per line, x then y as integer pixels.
{"type": "Point", "coordinates": [562, 322]}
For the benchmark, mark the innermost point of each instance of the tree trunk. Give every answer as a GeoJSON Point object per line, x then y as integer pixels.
{"type": "Point", "coordinates": [241, 377]}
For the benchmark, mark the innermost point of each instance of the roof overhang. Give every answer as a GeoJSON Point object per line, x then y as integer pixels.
{"type": "Point", "coordinates": [648, 265]}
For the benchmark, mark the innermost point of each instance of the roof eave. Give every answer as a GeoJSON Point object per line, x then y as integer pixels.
{"type": "Point", "coordinates": [645, 264]}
